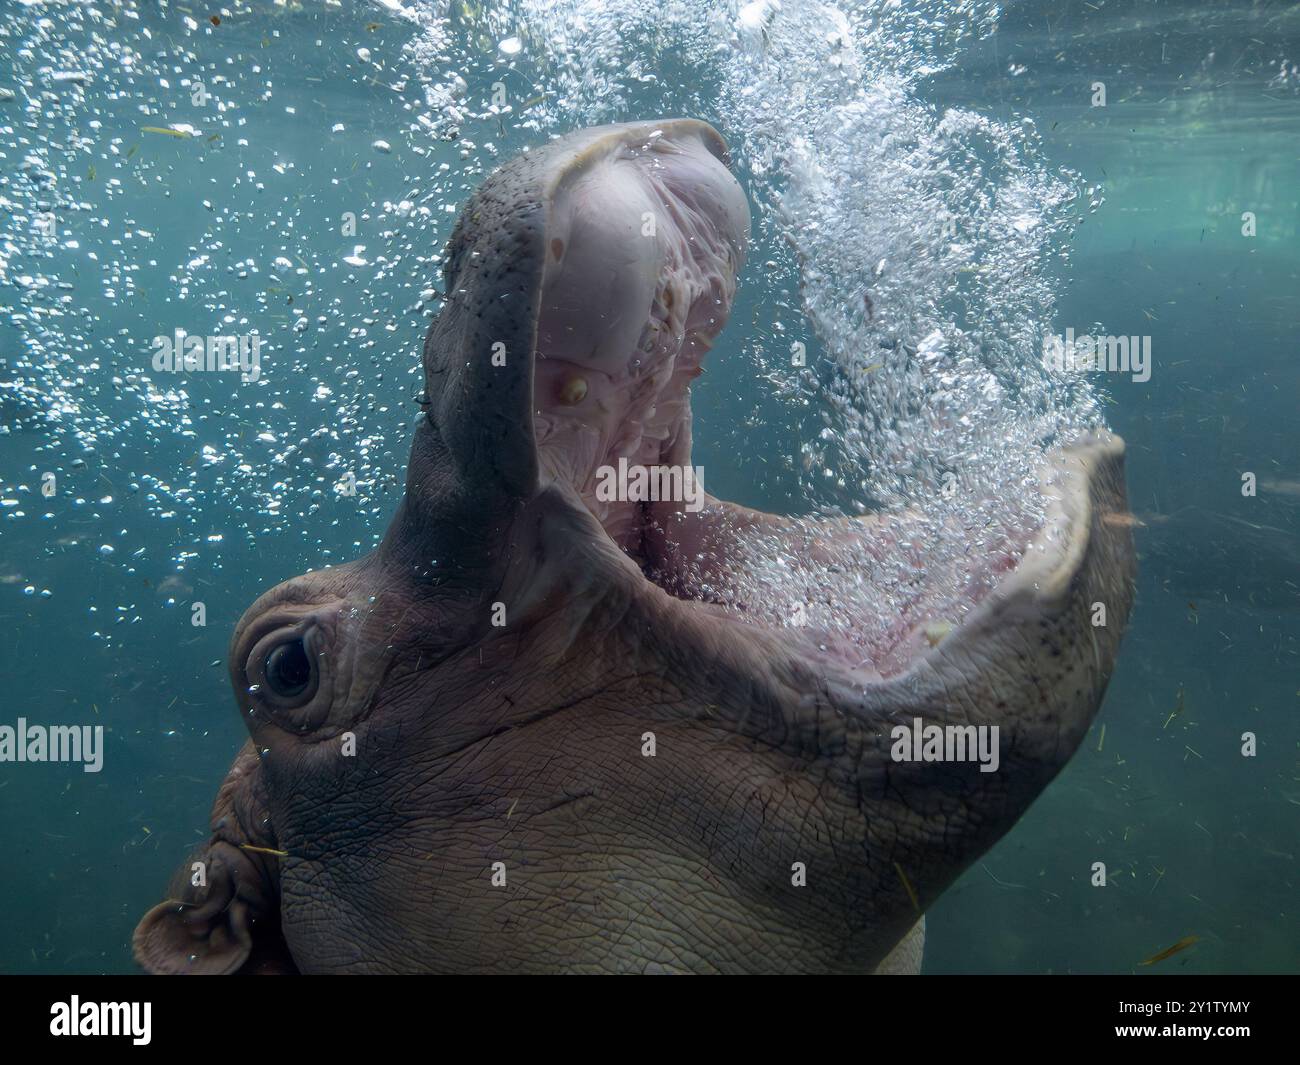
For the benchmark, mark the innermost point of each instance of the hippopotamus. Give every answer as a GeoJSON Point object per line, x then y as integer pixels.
{"type": "Point", "coordinates": [546, 727]}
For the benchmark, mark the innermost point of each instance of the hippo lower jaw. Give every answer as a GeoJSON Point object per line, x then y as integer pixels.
{"type": "Point", "coordinates": [539, 729]}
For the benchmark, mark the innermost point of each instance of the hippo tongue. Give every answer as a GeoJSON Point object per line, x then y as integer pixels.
{"type": "Point", "coordinates": [643, 246]}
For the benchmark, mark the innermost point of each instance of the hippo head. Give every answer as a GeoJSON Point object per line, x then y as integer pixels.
{"type": "Point", "coordinates": [563, 719]}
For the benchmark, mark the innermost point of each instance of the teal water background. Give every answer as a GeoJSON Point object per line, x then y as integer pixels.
{"type": "Point", "coordinates": [1202, 123]}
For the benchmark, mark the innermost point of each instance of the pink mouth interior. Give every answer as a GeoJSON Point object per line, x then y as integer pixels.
{"type": "Point", "coordinates": [872, 593]}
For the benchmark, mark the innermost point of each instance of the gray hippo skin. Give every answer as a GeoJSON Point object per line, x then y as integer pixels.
{"type": "Point", "coordinates": [480, 689]}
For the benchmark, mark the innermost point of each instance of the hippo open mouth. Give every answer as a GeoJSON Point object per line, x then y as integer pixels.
{"type": "Point", "coordinates": [644, 236]}
{"type": "Point", "coordinates": [550, 726]}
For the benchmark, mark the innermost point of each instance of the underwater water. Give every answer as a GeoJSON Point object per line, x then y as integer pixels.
{"type": "Point", "coordinates": [936, 189]}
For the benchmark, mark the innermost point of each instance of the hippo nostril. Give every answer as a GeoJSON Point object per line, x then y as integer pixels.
{"type": "Point", "coordinates": [557, 248]}
{"type": "Point", "coordinates": [573, 391]}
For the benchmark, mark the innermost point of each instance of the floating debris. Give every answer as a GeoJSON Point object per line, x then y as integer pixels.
{"type": "Point", "coordinates": [263, 850]}
{"type": "Point", "coordinates": [916, 905]}
{"type": "Point", "coordinates": [1000, 883]}
{"type": "Point", "coordinates": [1179, 706]}
{"type": "Point", "coordinates": [1169, 952]}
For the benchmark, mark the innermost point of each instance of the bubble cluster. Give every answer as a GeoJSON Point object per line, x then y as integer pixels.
{"type": "Point", "coordinates": [166, 174]}
{"type": "Point", "coordinates": [163, 172]}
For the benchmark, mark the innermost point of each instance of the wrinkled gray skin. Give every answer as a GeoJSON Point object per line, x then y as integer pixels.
{"type": "Point", "coordinates": [522, 743]}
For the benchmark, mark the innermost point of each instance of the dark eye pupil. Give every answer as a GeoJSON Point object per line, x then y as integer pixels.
{"type": "Point", "coordinates": [288, 669]}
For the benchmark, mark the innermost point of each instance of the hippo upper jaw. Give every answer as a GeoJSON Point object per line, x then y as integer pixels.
{"type": "Point", "coordinates": [585, 283]}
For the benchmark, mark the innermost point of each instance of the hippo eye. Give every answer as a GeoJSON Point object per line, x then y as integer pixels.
{"type": "Point", "coordinates": [288, 670]}
{"type": "Point", "coordinates": [287, 675]}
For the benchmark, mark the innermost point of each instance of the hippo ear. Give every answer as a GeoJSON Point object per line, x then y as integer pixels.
{"type": "Point", "coordinates": [209, 930]}
{"type": "Point", "coordinates": [173, 939]}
